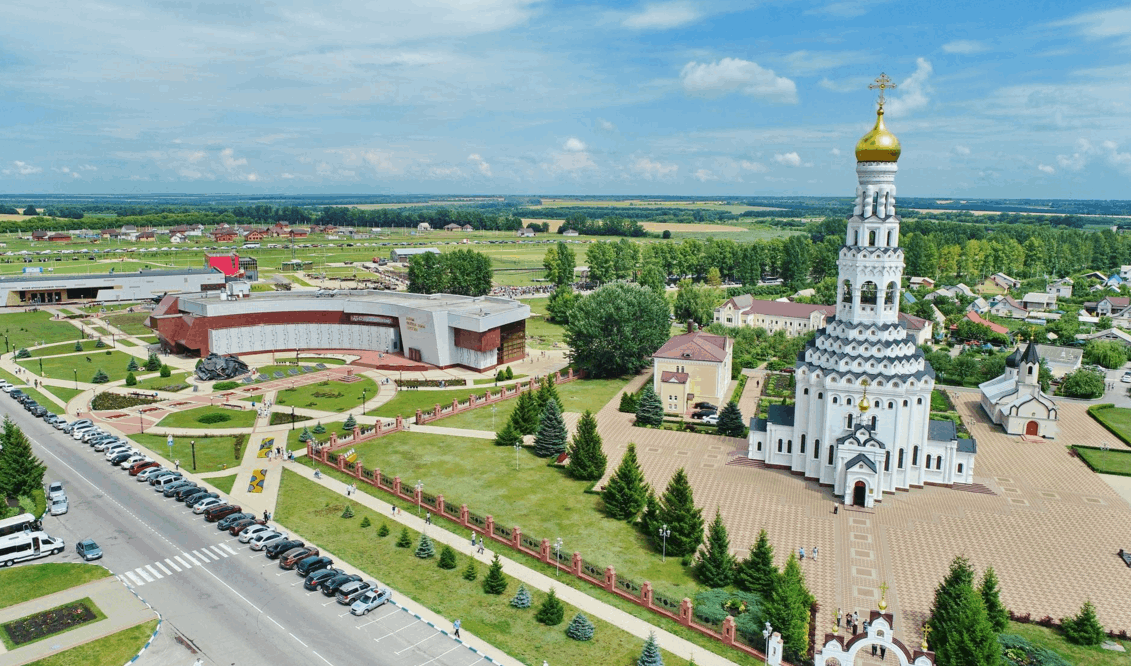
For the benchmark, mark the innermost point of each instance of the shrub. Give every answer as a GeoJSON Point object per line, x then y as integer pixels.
{"type": "Point", "coordinates": [1085, 628]}
{"type": "Point", "coordinates": [470, 573]}
{"type": "Point", "coordinates": [108, 400]}
{"type": "Point", "coordinates": [447, 558]}
{"type": "Point", "coordinates": [580, 628]}
{"type": "Point", "coordinates": [510, 373]}
{"type": "Point", "coordinates": [404, 540]}
{"type": "Point", "coordinates": [133, 366]}
{"type": "Point", "coordinates": [100, 344]}
{"type": "Point", "coordinates": [348, 512]}
{"type": "Point", "coordinates": [213, 417]}
{"type": "Point", "coordinates": [365, 522]}
{"type": "Point", "coordinates": [222, 386]}
{"type": "Point", "coordinates": [1018, 651]}
{"type": "Point", "coordinates": [521, 598]}
{"type": "Point", "coordinates": [319, 429]}
{"type": "Point", "coordinates": [495, 582]}
{"type": "Point", "coordinates": [350, 423]}
{"type": "Point", "coordinates": [383, 531]}
{"type": "Point", "coordinates": [78, 345]}
{"type": "Point", "coordinates": [425, 549]}
{"type": "Point", "coordinates": [131, 380]}
{"type": "Point", "coordinates": [629, 401]}
{"type": "Point", "coordinates": [100, 377]}
{"type": "Point", "coordinates": [166, 371]}
{"type": "Point", "coordinates": [552, 612]}
{"type": "Point", "coordinates": [23, 353]}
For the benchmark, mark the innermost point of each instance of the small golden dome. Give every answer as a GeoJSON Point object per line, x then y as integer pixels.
{"type": "Point", "coordinates": [879, 145]}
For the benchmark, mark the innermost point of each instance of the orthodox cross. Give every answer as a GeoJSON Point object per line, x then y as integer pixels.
{"type": "Point", "coordinates": [882, 83]}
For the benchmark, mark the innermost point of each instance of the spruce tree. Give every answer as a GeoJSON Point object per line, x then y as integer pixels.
{"type": "Point", "coordinates": [383, 531]}
{"type": "Point", "coordinates": [20, 471]}
{"type": "Point", "coordinates": [991, 597]}
{"type": "Point", "coordinates": [404, 540]}
{"type": "Point", "coordinates": [551, 612]}
{"type": "Point", "coordinates": [552, 436]}
{"type": "Point", "coordinates": [319, 429]}
{"type": "Point", "coordinates": [521, 598]}
{"type": "Point", "coordinates": [365, 522]}
{"type": "Point", "coordinates": [716, 565]}
{"type": "Point", "coordinates": [1085, 628]}
{"type": "Point", "coordinates": [587, 461]}
{"type": "Point", "coordinates": [757, 572]}
{"type": "Point", "coordinates": [305, 436]}
{"type": "Point", "coordinates": [152, 363]}
{"type": "Point", "coordinates": [650, 520]}
{"type": "Point", "coordinates": [526, 414]}
{"type": "Point", "coordinates": [495, 582]}
{"type": "Point", "coordinates": [683, 518]}
{"type": "Point", "coordinates": [508, 436]}
{"type": "Point", "coordinates": [580, 628]}
{"type": "Point", "coordinates": [626, 491]}
{"type": "Point", "coordinates": [730, 421]}
{"type": "Point", "coordinates": [78, 346]}
{"type": "Point", "coordinates": [500, 376]}
{"type": "Point", "coordinates": [131, 380]}
{"type": "Point", "coordinates": [650, 655]}
{"type": "Point", "coordinates": [972, 641]}
{"type": "Point", "coordinates": [447, 557]}
{"type": "Point", "coordinates": [787, 610]}
{"type": "Point", "coordinates": [470, 573]}
{"type": "Point", "coordinates": [628, 403]}
{"type": "Point", "coordinates": [946, 602]}
{"type": "Point", "coordinates": [649, 409]}
{"type": "Point", "coordinates": [166, 371]}
{"type": "Point", "coordinates": [100, 377]}
{"type": "Point", "coordinates": [425, 549]}
{"type": "Point", "coordinates": [548, 392]}
{"type": "Point", "coordinates": [510, 373]}
{"type": "Point", "coordinates": [350, 423]}
{"type": "Point", "coordinates": [347, 512]}
{"type": "Point", "coordinates": [99, 344]}
{"type": "Point", "coordinates": [133, 366]}
{"type": "Point", "coordinates": [23, 353]}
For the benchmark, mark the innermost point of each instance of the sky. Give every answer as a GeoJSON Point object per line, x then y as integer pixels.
{"type": "Point", "coordinates": [1000, 99]}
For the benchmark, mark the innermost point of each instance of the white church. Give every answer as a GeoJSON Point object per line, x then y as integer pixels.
{"type": "Point", "coordinates": [1015, 400]}
{"type": "Point", "coordinates": [861, 422]}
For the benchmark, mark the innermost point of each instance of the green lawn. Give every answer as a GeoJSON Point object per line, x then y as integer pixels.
{"type": "Point", "coordinates": [44, 401]}
{"type": "Point", "coordinates": [38, 580]}
{"type": "Point", "coordinates": [314, 512]}
{"type": "Point", "coordinates": [66, 348]}
{"type": "Point", "coordinates": [151, 339]}
{"type": "Point", "coordinates": [64, 394]}
{"type": "Point", "coordinates": [222, 483]}
{"type": "Point", "coordinates": [12, 379]}
{"type": "Point", "coordinates": [188, 418]}
{"type": "Point", "coordinates": [541, 334]}
{"type": "Point", "coordinates": [117, 648]}
{"type": "Point", "coordinates": [313, 360]}
{"type": "Point", "coordinates": [212, 453]}
{"type": "Point", "coordinates": [1112, 461]}
{"type": "Point", "coordinates": [406, 402]}
{"type": "Point", "coordinates": [25, 329]}
{"type": "Point", "coordinates": [1077, 655]}
{"type": "Point", "coordinates": [491, 380]}
{"type": "Point", "coordinates": [125, 343]}
{"type": "Point", "coordinates": [132, 323]}
{"type": "Point", "coordinates": [62, 367]}
{"type": "Point", "coordinates": [292, 435]}
{"type": "Point", "coordinates": [98, 616]}
{"type": "Point", "coordinates": [108, 307]}
{"type": "Point", "coordinates": [1115, 419]}
{"type": "Point", "coordinates": [578, 395]}
{"type": "Point", "coordinates": [329, 400]}
{"type": "Point", "coordinates": [159, 382]}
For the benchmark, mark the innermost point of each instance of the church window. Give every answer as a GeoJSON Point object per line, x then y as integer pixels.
{"type": "Point", "coordinates": [806, 392]}
{"type": "Point", "coordinates": [877, 404]}
{"type": "Point", "coordinates": [849, 420]}
{"type": "Point", "coordinates": [759, 446]}
{"type": "Point", "coordinates": [868, 293]}
{"type": "Point", "coordinates": [816, 449]}
{"type": "Point", "coordinates": [899, 463]}
{"type": "Point", "coordinates": [887, 461]}
{"type": "Point", "coordinates": [915, 456]}
{"type": "Point", "coordinates": [890, 404]}
{"type": "Point", "coordinates": [871, 238]}
{"type": "Point", "coordinates": [1030, 371]}
{"type": "Point", "coordinates": [904, 403]}
{"type": "Point", "coordinates": [820, 395]}
{"type": "Point", "coordinates": [928, 461]}
{"type": "Point", "coordinates": [779, 446]}
{"type": "Point", "coordinates": [830, 454]}
{"type": "Point", "coordinates": [803, 444]}
{"type": "Point", "coordinates": [856, 237]}
{"type": "Point", "coordinates": [789, 446]}
{"type": "Point", "coordinates": [874, 421]}
{"type": "Point", "coordinates": [959, 468]}
{"type": "Point", "coordinates": [889, 294]}
{"type": "Point", "coordinates": [919, 401]}
{"type": "Point", "coordinates": [847, 292]}
{"type": "Point", "coordinates": [891, 239]}
{"type": "Point", "coordinates": [836, 400]}
{"type": "Point", "coordinates": [848, 401]}
{"type": "Point", "coordinates": [938, 462]}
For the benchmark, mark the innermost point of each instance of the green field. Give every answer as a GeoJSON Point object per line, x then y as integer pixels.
{"type": "Point", "coordinates": [222, 483]}
{"type": "Point", "coordinates": [38, 580]}
{"type": "Point", "coordinates": [314, 512]}
{"type": "Point", "coordinates": [62, 367]}
{"type": "Point", "coordinates": [130, 322]}
{"type": "Point", "coordinates": [578, 396]}
{"type": "Point", "coordinates": [212, 453]}
{"type": "Point", "coordinates": [406, 402]}
{"type": "Point", "coordinates": [1112, 461]}
{"type": "Point", "coordinates": [27, 329]}
{"type": "Point", "coordinates": [542, 334]}
{"type": "Point", "coordinates": [65, 348]}
{"type": "Point", "coordinates": [1077, 655]}
{"type": "Point", "coordinates": [1115, 419]}
{"type": "Point", "coordinates": [188, 418]}
{"type": "Point", "coordinates": [157, 381]}
{"type": "Point", "coordinates": [292, 435]}
{"type": "Point", "coordinates": [328, 401]}
{"type": "Point", "coordinates": [117, 648]}
{"type": "Point", "coordinates": [108, 307]}
{"type": "Point", "coordinates": [64, 394]}
{"type": "Point", "coordinates": [87, 601]}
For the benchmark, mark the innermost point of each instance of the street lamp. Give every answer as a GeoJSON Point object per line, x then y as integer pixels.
{"type": "Point", "coordinates": [76, 371]}
{"type": "Point", "coordinates": [766, 635]}
{"type": "Point", "coordinates": [292, 417]}
{"type": "Point", "coordinates": [517, 448]}
{"type": "Point", "coordinates": [664, 534]}
{"type": "Point", "coordinates": [557, 556]}
{"type": "Point", "coordinates": [419, 494]}
{"type": "Point", "coordinates": [363, 402]}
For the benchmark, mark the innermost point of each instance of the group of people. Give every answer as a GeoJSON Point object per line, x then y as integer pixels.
{"type": "Point", "coordinates": [801, 553]}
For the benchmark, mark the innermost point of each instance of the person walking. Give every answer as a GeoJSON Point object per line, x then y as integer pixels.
{"type": "Point", "coordinates": [480, 545]}
{"type": "Point", "coordinates": [428, 518]}
{"type": "Point", "coordinates": [814, 553]}
{"type": "Point", "coordinates": [801, 553]}
{"type": "Point", "coordinates": [472, 538]}
{"type": "Point", "coordinates": [455, 626]}
{"type": "Point", "coordinates": [838, 617]}
{"type": "Point", "coordinates": [177, 464]}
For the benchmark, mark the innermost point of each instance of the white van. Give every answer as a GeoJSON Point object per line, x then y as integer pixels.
{"type": "Point", "coordinates": [26, 546]}
{"type": "Point", "coordinates": [160, 484]}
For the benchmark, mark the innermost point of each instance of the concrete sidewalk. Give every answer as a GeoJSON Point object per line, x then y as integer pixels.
{"type": "Point", "coordinates": [582, 601]}
{"type": "Point", "coordinates": [122, 608]}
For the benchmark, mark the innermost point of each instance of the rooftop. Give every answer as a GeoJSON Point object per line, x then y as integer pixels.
{"type": "Point", "coordinates": [481, 306]}
{"type": "Point", "coordinates": [697, 346]}
{"type": "Point", "coordinates": [73, 277]}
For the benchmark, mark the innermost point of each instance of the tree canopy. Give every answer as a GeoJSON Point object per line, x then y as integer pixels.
{"type": "Point", "coordinates": [463, 272]}
{"type": "Point", "coordinates": [614, 330]}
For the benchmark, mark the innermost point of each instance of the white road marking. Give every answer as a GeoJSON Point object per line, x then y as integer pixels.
{"type": "Point", "coordinates": [154, 572]}
{"type": "Point", "coordinates": [222, 553]}
{"type": "Point", "coordinates": [332, 601]}
{"type": "Point", "coordinates": [183, 563]}
{"type": "Point", "coordinates": [456, 647]}
{"type": "Point", "coordinates": [321, 657]}
{"type": "Point", "coordinates": [141, 572]}
{"type": "Point", "coordinates": [414, 621]}
{"type": "Point", "coordinates": [228, 548]}
{"type": "Point", "coordinates": [136, 581]}
{"type": "Point", "coordinates": [170, 563]}
{"type": "Point", "coordinates": [390, 614]}
{"type": "Point", "coordinates": [191, 559]}
{"type": "Point", "coordinates": [273, 620]}
{"type": "Point", "coordinates": [296, 638]}
{"type": "Point", "coordinates": [417, 643]}
{"type": "Point", "coordinates": [203, 558]}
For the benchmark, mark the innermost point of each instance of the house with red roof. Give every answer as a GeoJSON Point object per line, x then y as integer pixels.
{"type": "Point", "coordinates": [691, 368]}
{"type": "Point", "coordinates": [978, 319]}
{"type": "Point", "coordinates": [793, 318]}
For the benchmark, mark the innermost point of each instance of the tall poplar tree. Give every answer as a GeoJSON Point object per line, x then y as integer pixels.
{"type": "Point", "coordinates": [587, 461]}
{"type": "Point", "coordinates": [526, 414]}
{"type": "Point", "coordinates": [626, 491]}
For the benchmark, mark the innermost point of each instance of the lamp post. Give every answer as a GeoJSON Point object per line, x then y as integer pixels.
{"type": "Point", "coordinates": [193, 443]}
{"type": "Point", "coordinates": [766, 635]}
{"type": "Point", "coordinates": [362, 402]}
{"type": "Point", "coordinates": [664, 534]}
{"type": "Point", "coordinates": [7, 348]}
{"type": "Point", "coordinates": [419, 494]}
{"type": "Point", "coordinates": [557, 556]}
{"type": "Point", "coordinates": [292, 417]}
{"type": "Point", "coordinates": [517, 448]}
{"type": "Point", "coordinates": [76, 371]}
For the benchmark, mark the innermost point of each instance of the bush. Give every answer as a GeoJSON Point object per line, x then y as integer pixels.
{"type": "Point", "coordinates": [580, 628]}
{"type": "Point", "coordinates": [404, 540]}
{"type": "Point", "coordinates": [712, 606]}
{"type": "Point", "coordinates": [100, 377]}
{"type": "Point", "coordinates": [220, 386]}
{"type": "Point", "coordinates": [1085, 628]}
{"type": "Point", "coordinates": [131, 380]}
{"type": "Point", "coordinates": [552, 612]}
{"type": "Point", "coordinates": [521, 598]}
{"type": "Point", "coordinates": [470, 573]}
{"type": "Point", "coordinates": [629, 401]}
{"type": "Point", "coordinates": [447, 558]}
{"type": "Point", "coordinates": [365, 522]}
{"type": "Point", "coordinates": [1018, 651]}
{"type": "Point", "coordinates": [78, 345]}
{"type": "Point", "coordinates": [383, 531]}
{"type": "Point", "coordinates": [510, 373]}
{"type": "Point", "coordinates": [166, 371]}
{"type": "Point", "coordinates": [23, 353]}
{"type": "Point", "coordinates": [213, 417]}
{"type": "Point", "coordinates": [99, 345]}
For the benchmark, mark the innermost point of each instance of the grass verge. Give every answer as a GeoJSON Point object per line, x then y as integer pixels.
{"type": "Point", "coordinates": [113, 363]}
{"type": "Point", "coordinates": [25, 583]}
{"type": "Point", "coordinates": [1117, 461]}
{"type": "Point", "coordinates": [65, 348]}
{"type": "Point", "coordinates": [26, 329]}
{"type": "Point", "coordinates": [212, 453]}
{"type": "Point", "coordinates": [44, 401]}
{"type": "Point", "coordinates": [63, 393]}
{"type": "Point", "coordinates": [157, 382]}
{"type": "Point", "coordinates": [222, 483]}
{"type": "Point", "coordinates": [132, 323]}
{"type": "Point", "coordinates": [117, 648]}
{"type": "Point", "coordinates": [578, 396]}
{"type": "Point", "coordinates": [1077, 655]}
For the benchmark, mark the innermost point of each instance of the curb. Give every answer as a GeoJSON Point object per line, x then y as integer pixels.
{"type": "Point", "coordinates": [160, 619]}
{"type": "Point", "coordinates": [449, 635]}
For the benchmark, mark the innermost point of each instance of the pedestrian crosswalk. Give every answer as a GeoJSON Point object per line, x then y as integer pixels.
{"type": "Point", "coordinates": [155, 571]}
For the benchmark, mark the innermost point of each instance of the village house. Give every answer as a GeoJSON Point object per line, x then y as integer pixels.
{"type": "Point", "coordinates": [1060, 288]}
{"type": "Point", "coordinates": [690, 368]}
{"type": "Point", "coordinates": [1036, 300]}
{"type": "Point", "coordinates": [1004, 281]}
{"type": "Point", "coordinates": [1006, 306]}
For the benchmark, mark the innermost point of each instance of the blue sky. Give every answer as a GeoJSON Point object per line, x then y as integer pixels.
{"type": "Point", "coordinates": [1007, 99]}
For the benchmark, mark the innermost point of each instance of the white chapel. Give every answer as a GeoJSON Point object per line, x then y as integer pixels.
{"type": "Point", "coordinates": [861, 422]}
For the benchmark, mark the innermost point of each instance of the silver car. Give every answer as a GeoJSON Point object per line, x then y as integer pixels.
{"type": "Point", "coordinates": [250, 531]}
{"type": "Point", "coordinates": [264, 539]}
{"type": "Point", "coordinates": [55, 489]}
{"type": "Point", "coordinates": [59, 505]}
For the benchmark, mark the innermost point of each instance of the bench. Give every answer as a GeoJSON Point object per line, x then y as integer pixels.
{"type": "Point", "coordinates": [248, 380]}
{"type": "Point", "coordinates": [293, 372]}
{"type": "Point", "coordinates": [279, 375]}
{"type": "Point", "coordinates": [307, 368]}
{"type": "Point", "coordinates": [320, 366]}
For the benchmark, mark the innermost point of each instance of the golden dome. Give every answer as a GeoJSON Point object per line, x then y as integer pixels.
{"type": "Point", "coordinates": [879, 145]}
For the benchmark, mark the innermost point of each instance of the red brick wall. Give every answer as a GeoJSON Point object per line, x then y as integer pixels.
{"type": "Point", "coordinates": [476, 341]}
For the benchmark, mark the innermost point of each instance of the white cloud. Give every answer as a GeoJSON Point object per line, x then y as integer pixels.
{"type": "Point", "coordinates": [788, 159]}
{"type": "Point", "coordinates": [1114, 157]}
{"type": "Point", "coordinates": [964, 47]}
{"type": "Point", "coordinates": [287, 176]}
{"type": "Point", "coordinates": [571, 162]}
{"type": "Point", "coordinates": [810, 62]}
{"type": "Point", "coordinates": [735, 74]}
{"type": "Point", "coordinates": [703, 175]}
{"type": "Point", "coordinates": [914, 90]}
{"type": "Point", "coordinates": [962, 150]}
{"type": "Point", "coordinates": [382, 161]}
{"type": "Point", "coordinates": [649, 169]}
{"type": "Point", "coordinates": [1077, 160]}
{"type": "Point", "coordinates": [228, 159]}
{"type": "Point", "coordinates": [23, 168]}
{"type": "Point", "coordinates": [1102, 24]}
{"type": "Point", "coordinates": [88, 167]}
{"type": "Point", "coordinates": [606, 125]}
{"type": "Point", "coordinates": [846, 8]}
{"type": "Point", "coordinates": [195, 156]}
{"type": "Point", "coordinates": [662, 16]}
{"type": "Point", "coordinates": [480, 164]}
{"type": "Point", "coordinates": [1044, 168]}
{"type": "Point", "coordinates": [574, 145]}
{"type": "Point", "coordinates": [251, 177]}
{"type": "Point", "coordinates": [835, 152]}
{"type": "Point", "coordinates": [753, 166]}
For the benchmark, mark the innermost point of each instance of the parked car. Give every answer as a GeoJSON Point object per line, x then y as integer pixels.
{"type": "Point", "coordinates": [206, 504]}
{"type": "Point", "coordinates": [289, 559]}
{"type": "Point", "coordinates": [144, 474]}
{"type": "Point", "coordinates": [703, 413]}
{"type": "Point", "coordinates": [188, 491]}
{"type": "Point", "coordinates": [134, 458]}
{"type": "Point", "coordinates": [59, 505]}
{"type": "Point", "coordinates": [154, 478]}
{"type": "Point", "coordinates": [88, 550]}
{"type": "Point", "coordinates": [372, 599]}
{"type": "Point", "coordinates": [278, 548]}
{"type": "Point", "coordinates": [265, 539]}
{"type": "Point", "coordinates": [215, 513]}
{"type": "Point", "coordinates": [142, 465]}
{"type": "Point", "coordinates": [312, 563]}
{"type": "Point", "coordinates": [347, 594]}
{"type": "Point", "coordinates": [250, 531]}
{"type": "Point", "coordinates": [712, 419]}
{"type": "Point", "coordinates": [232, 519]}
{"type": "Point", "coordinates": [55, 489]}
{"type": "Point", "coordinates": [196, 500]}
{"type": "Point", "coordinates": [172, 488]}
{"type": "Point", "coordinates": [120, 458]}
{"type": "Point", "coordinates": [331, 586]}
{"type": "Point", "coordinates": [164, 482]}
{"type": "Point", "coordinates": [316, 579]}
{"type": "Point", "coordinates": [243, 523]}
{"type": "Point", "coordinates": [1126, 379]}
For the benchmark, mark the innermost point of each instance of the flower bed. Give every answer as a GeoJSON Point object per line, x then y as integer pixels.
{"type": "Point", "coordinates": [56, 620]}
{"type": "Point", "coordinates": [108, 400]}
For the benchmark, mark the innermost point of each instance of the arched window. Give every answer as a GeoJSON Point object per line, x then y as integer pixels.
{"type": "Point", "coordinates": [899, 463]}
{"type": "Point", "coordinates": [928, 461]}
{"type": "Point", "coordinates": [849, 420]}
{"type": "Point", "coordinates": [871, 238]}
{"type": "Point", "coordinates": [889, 294]}
{"type": "Point", "coordinates": [856, 237]}
{"type": "Point", "coordinates": [848, 401]}
{"type": "Point", "coordinates": [915, 456]}
{"type": "Point", "coordinates": [803, 444]}
{"type": "Point", "coordinates": [1030, 371]}
{"type": "Point", "coordinates": [891, 239]}
{"type": "Point", "coordinates": [759, 446]}
{"type": "Point", "coordinates": [830, 454]}
{"type": "Point", "coordinates": [873, 421]}
{"type": "Point", "coordinates": [959, 468]}
{"type": "Point", "coordinates": [820, 395]}
{"type": "Point", "coordinates": [779, 446]}
{"type": "Point", "coordinates": [816, 449]}
{"type": "Point", "coordinates": [938, 462]}
{"type": "Point", "coordinates": [836, 400]}
{"type": "Point", "coordinates": [789, 446]}
{"type": "Point", "coordinates": [887, 461]}
{"type": "Point", "coordinates": [876, 404]}
{"type": "Point", "coordinates": [846, 292]}
{"type": "Point", "coordinates": [890, 404]}
{"type": "Point", "coordinates": [868, 293]}
{"type": "Point", "coordinates": [904, 403]}
{"type": "Point", "coordinates": [919, 401]}
{"type": "Point", "coordinates": [806, 391]}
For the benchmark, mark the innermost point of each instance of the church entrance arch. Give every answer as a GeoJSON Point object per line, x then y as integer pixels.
{"type": "Point", "coordinates": [859, 493]}
{"type": "Point", "coordinates": [843, 650]}
{"type": "Point", "coordinates": [1031, 428]}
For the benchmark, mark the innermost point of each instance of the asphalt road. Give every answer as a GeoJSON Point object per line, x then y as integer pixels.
{"type": "Point", "coordinates": [232, 604]}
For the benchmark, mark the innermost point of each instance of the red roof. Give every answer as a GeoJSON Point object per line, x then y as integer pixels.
{"type": "Point", "coordinates": [673, 377]}
{"type": "Point", "coordinates": [228, 264]}
{"type": "Point", "coordinates": [697, 346]}
{"type": "Point", "coordinates": [787, 309]}
{"type": "Point", "coordinates": [912, 322]}
{"type": "Point", "coordinates": [977, 319]}
{"type": "Point", "coordinates": [1118, 301]}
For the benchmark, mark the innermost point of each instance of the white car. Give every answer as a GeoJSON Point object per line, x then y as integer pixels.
{"type": "Point", "coordinates": [712, 419]}
{"type": "Point", "coordinates": [79, 431]}
{"type": "Point", "coordinates": [1126, 379]}
{"type": "Point", "coordinates": [5, 386]}
{"type": "Point", "coordinates": [144, 474]}
{"type": "Point", "coordinates": [207, 504]}
{"type": "Point", "coordinates": [55, 490]}
{"type": "Point", "coordinates": [59, 506]}
{"type": "Point", "coordinates": [135, 458]}
{"type": "Point", "coordinates": [251, 530]}
{"type": "Point", "coordinates": [264, 539]}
